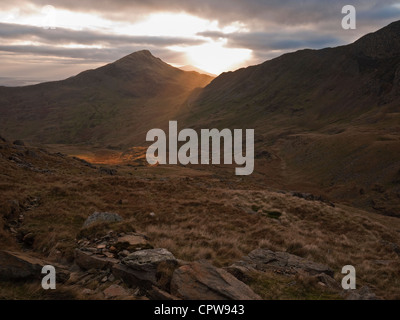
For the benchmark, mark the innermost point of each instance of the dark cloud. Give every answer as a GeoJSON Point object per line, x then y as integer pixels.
{"type": "Point", "coordinates": [84, 54]}
{"type": "Point", "coordinates": [274, 41]}
{"type": "Point", "coordinates": [287, 12]}
{"type": "Point", "coordinates": [67, 36]}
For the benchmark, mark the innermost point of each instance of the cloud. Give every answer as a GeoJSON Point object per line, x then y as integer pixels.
{"type": "Point", "coordinates": [67, 36]}
{"type": "Point", "coordinates": [270, 28]}
{"type": "Point", "coordinates": [287, 12]}
{"type": "Point", "coordinates": [274, 41]}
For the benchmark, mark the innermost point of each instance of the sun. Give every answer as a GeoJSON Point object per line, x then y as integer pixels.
{"type": "Point", "coordinates": [215, 57]}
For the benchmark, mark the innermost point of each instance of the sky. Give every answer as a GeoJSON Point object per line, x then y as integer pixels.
{"type": "Point", "coordinates": [53, 40]}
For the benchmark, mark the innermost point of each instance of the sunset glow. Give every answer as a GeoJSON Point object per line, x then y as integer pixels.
{"type": "Point", "coordinates": [71, 37]}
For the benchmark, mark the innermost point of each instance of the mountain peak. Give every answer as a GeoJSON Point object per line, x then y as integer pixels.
{"type": "Point", "coordinates": [143, 56]}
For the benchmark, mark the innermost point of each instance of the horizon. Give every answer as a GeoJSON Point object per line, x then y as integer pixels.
{"type": "Point", "coordinates": [70, 38]}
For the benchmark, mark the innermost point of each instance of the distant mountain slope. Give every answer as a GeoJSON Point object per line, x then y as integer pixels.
{"type": "Point", "coordinates": [325, 120]}
{"type": "Point", "coordinates": [193, 68]}
{"type": "Point", "coordinates": [129, 94]}
{"type": "Point", "coordinates": [318, 86]}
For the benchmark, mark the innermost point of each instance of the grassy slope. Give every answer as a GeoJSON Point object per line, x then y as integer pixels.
{"type": "Point", "coordinates": [201, 213]}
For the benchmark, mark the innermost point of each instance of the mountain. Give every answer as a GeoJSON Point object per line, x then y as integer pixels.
{"type": "Point", "coordinates": [131, 94]}
{"type": "Point", "coordinates": [193, 68]}
{"type": "Point", "coordinates": [325, 120]}
{"type": "Point", "coordinates": [319, 86]}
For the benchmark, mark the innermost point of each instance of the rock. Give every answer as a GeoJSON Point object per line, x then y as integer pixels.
{"type": "Point", "coordinates": [132, 242]}
{"type": "Point", "coordinates": [31, 154]}
{"type": "Point", "coordinates": [18, 266]}
{"type": "Point", "coordinates": [88, 260]}
{"type": "Point", "coordinates": [152, 214]}
{"type": "Point", "coordinates": [146, 267]}
{"type": "Point", "coordinates": [111, 172]}
{"type": "Point", "coordinates": [102, 217]}
{"type": "Point", "coordinates": [129, 276]}
{"type": "Point", "coordinates": [114, 291]}
{"type": "Point", "coordinates": [87, 291]}
{"type": "Point", "coordinates": [155, 293]}
{"type": "Point", "coordinates": [364, 293]}
{"type": "Point", "coordinates": [328, 281]}
{"type": "Point", "coordinates": [149, 259]}
{"type": "Point", "coordinates": [18, 143]}
{"type": "Point", "coordinates": [282, 262]}
{"type": "Point", "coordinates": [202, 281]}
{"type": "Point", "coordinates": [111, 278]}
{"type": "Point", "coordinates": [29, 239]}
{"type": "Point", "coordinates": [2, 139]}
{"type": "Point", "coordinates": [311, 197]}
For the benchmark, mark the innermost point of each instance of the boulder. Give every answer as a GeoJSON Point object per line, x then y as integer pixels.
{"type": "Point", "coordinates": [132, 242]}
{"type": "Point", "coordinates": [21, 266]}
{"type": "Point", "coordinates": [281, 262]}
{"type": "Point", "coordinates": [89, 260]}
{"type": "Point", "coordinates": [146, 267]}
{"type": "Point", "coordinates": [202, 281]}
{"type": "Point", "coordinates": [102, 217]}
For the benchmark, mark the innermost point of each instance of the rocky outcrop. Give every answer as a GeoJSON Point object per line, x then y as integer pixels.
{"type": "Point", "coordinates": [132, 242]}
{"type": "Point", "coordinates": [147, 268]}
{"type": "Point", "coordinates": [102, 217]}
{"type": "Point", "coordinates": [280, 262]}
{"type": "Point", "coordinates": [202, 281]}
{"type": "Point", "coordinates": [89, 260]}
{"type": "Point", "coordinates": [21, 266]}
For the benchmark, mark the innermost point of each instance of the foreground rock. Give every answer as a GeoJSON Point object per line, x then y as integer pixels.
{"type": "Point", "coordinates": [280, 262]}
{"type": "Point", "coordinates": [21, 266]}
{"type": "Point", "coordinates": [146, 268]}
{"type": "Point", "coordinates": [132, 242]}
{"type": "Point", "coordinates": [102, 217]}
{"type": "Point", "coordinates": [202, 281]}
{"type": "Point", "coordinates": [364, 293]}
{"type": "Point", "coordinates": [88, 260]}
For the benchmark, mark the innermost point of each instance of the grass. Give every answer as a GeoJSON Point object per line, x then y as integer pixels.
{"type": "Point", "coordinates": [199, 214]}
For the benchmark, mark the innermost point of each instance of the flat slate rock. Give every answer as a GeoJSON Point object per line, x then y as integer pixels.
{"type": "Point", "coordinates": [283, 262]}
{"type": "Point", "coordinates": [202, 281]}
{"type": "Point", "coordinates": [20, 266]}
{"type": "Point", "coordinates": [88, 260]}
